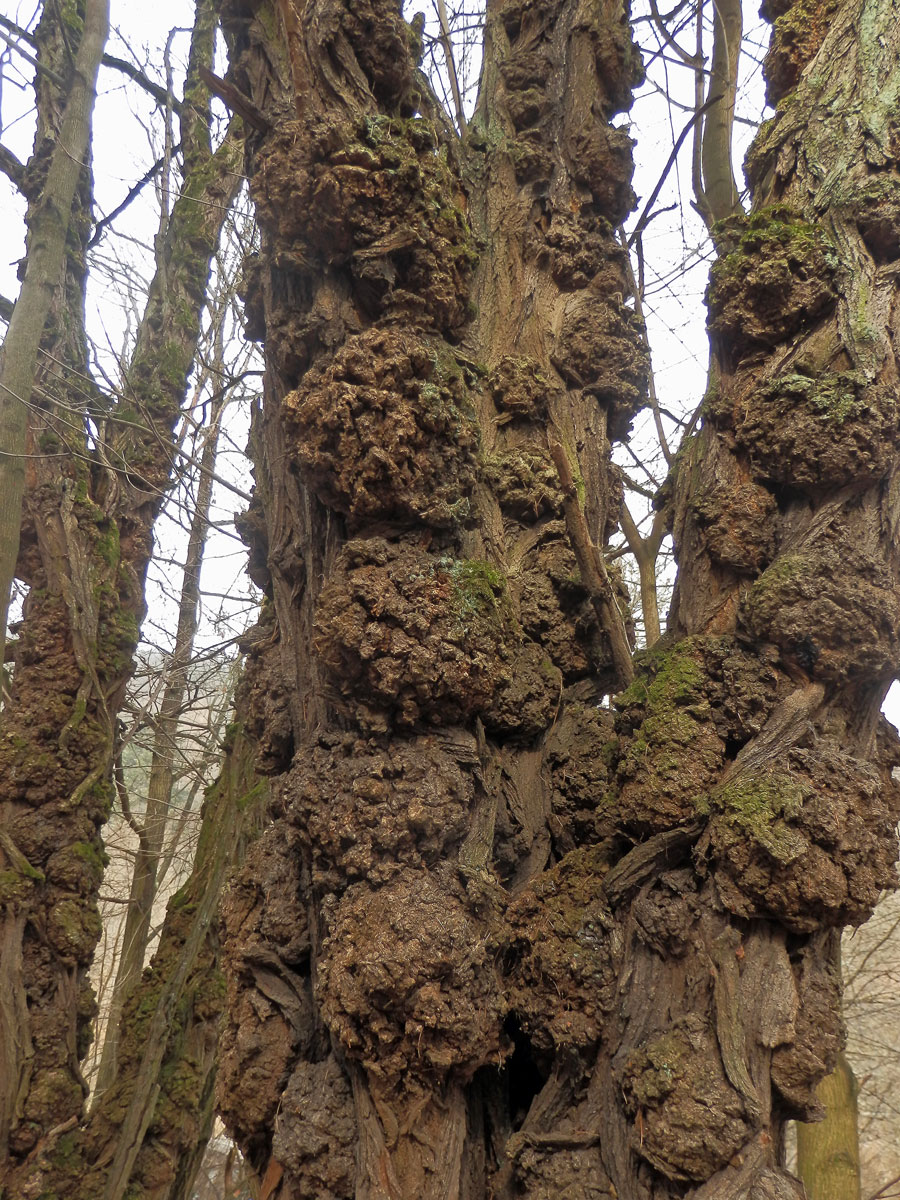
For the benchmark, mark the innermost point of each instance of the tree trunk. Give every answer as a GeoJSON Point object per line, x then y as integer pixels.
{"type": "Point", "coordinates": [527, 947]}
{"type": "Point", "coordinates": [86, 539]}
{"type": "Point", "coordinates": [828, 1152]}
{"type": "Point", "coordinates": [152, 830]}
{"type": "Point", "coordinates": [146, 1135]}
{"type": "Point", "coordinates": [50, 215]}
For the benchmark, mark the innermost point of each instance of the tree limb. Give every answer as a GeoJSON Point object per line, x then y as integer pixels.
{"type": "Point", "coordinates": [594, 575]}
{"type": "Point", "coordinates": [12, 168]}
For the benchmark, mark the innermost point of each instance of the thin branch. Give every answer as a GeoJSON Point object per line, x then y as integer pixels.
{"type": "Point", "coordinates": [108, 60]}
{"type": "Point", "coordinates": [594, 575]}
{"type": "Point", "coordinates": [882, 1192]}
{"type": "Point", "coordinates": [235, 100]}
{"type": "Point", "coordinates": [132, 194]}
{"type": "Point", "coordinates": [29, 58]}
{"type": "Point", "coordinates": [159, 94]}
{"type": "Point", "coordinates": [447, 47]}
{"type": "Point", "coordinates": [689, 59]}
{"type": "Point", "coordinates": [645, 216]}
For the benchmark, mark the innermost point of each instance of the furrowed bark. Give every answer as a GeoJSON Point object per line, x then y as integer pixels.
{"type": "Point", "coordinates": [533, 948]}
{"type": "Point", "coordinates": [86, 538]}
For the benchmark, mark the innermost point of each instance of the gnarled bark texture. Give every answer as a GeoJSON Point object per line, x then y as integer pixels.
{"type": "Point", "coordinates": [517, 945]}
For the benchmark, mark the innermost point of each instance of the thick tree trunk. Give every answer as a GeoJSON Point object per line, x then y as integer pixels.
{"type": "Point", "coordinates": [524, 947]}
{"type": "Point", "coordinates": [86, 538]}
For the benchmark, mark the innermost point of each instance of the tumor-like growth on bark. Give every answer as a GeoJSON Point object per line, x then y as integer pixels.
{"type": "Point", "coordinates": [692, 1120]}
{"type": "Point", "coordinates": [410, 637]}
{"type": "Point", "coordinates": [831, 605]}
{"type": "Point", "coordinates": [386, 431]}
{"type": "Point", "coordinates": [373, 199]}
{"type": "Point", "coordinates": [367, 812]}
{"type": "Point", "coordinates": [408, 983]}
{"type": "Point", "coordinates": [599, 350]}
{"type": "Point", "coordinates": [774, 282]}
{"type": "Point", "coordinates": [809, 841]}
{"type": "Point", "coordinates": [808, 429]}
{"type": "Point", "coordinates": [555, 611]}
{"type": "Point", "coordinates": [562, 959]}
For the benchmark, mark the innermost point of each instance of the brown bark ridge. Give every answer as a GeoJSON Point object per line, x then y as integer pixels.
{"type": "Point", "coordinates": [522, 946]}
{"type": "Point", "coordinates": [96, 479]}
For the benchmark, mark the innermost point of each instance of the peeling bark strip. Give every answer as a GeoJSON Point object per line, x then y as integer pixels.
{"type": "Point", "coordinates": [496, 940]}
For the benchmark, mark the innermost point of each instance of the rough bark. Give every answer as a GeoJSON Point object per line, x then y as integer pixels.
{"type": "Point", "coordinates": [524, 947]}
{"type": "Point", "coordinates": [86, 537]}
{"type": "Point", "coordinates": [435, 645]}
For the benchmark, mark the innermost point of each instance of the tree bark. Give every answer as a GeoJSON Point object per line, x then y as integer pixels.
{"type": "Point", "coordinates": [535, 947]}
{"type": "Point", "coordinates": [49, 218]}
{"type": "Point", "coordinates": [828, 1153]}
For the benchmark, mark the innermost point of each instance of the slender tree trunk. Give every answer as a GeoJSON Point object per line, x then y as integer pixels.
{"type": "Point", "coordinates": [49, 219]}
{"type": "Point", "coordinates": [147, 1133]}
{"type": "Point", "coordinates": [525, 947]}
{"type": "Point", "coordinates": [828, 1152]}
{"type": "Point", "coordinates": [719, 199]}
{"type": "Point", "coordinates": [152, 832]}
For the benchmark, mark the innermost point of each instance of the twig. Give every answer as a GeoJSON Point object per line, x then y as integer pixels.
{"type": "Point", "coordinates": [447, 47]}
{"type": "Point", "coordinates": [644, 218]}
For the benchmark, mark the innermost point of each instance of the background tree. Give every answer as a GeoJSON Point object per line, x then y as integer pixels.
{"type": "Point", "coordinates": [98, 470]}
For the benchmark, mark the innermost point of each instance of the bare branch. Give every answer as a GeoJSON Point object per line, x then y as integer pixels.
{"type": "Point", "coordinates": [12, 168]}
